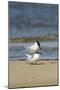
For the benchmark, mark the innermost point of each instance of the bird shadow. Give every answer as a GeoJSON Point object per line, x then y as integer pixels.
{"type": "Point", "coordinates": [36, 63]}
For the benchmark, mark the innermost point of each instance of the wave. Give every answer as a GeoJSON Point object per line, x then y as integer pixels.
{"type": "Point", "coordinates": [30, 39]}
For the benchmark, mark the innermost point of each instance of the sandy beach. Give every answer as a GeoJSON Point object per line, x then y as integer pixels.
{"type": "Point", "coordinates": [23, 74]}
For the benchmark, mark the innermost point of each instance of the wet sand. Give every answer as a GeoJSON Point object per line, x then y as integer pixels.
{"type": "Point", "coordinates": [23, 74]}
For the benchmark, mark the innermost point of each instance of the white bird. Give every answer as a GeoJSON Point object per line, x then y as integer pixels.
{"type": "Point", "coordinates": [33, 58]}
{"type": "Point", "coordinates": [34, 48]}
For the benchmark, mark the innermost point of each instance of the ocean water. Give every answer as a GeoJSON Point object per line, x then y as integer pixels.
{"type": "Point", "coordinates": [18, 51]}
{"type": "Point", "coordinates": [32, 20]}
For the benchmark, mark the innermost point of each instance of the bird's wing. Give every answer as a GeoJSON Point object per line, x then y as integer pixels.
{"type": "Point", "coordinates": [28, 56]}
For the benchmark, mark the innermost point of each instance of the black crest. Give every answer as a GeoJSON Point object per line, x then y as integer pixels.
{"type": "Point", "coordinates": [38, 43]}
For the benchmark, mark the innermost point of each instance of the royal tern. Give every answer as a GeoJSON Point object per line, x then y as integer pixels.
{"type": "Point", "coordinates": [34, 48]}
{"type": "Point", "coordinates": [33, 58]}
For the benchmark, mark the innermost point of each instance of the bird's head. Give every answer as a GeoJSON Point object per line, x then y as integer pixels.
{"type": "Point", "coordinates": [38, 44]}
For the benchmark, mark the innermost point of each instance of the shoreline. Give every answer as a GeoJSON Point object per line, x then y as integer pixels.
{"type": "Point", "coordinates": [27, 60]}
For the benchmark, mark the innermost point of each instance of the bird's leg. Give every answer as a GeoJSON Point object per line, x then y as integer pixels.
{"type": "Point", "coordinates": [35, 62]}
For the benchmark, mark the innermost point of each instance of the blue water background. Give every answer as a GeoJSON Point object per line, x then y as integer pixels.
{"type": "Point", "coordinates": [31, 20]}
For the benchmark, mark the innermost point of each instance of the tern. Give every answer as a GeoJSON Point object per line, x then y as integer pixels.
{"type": "Point", "coordinates": [34, 48]}
{"type": "Point", "coordinates": [33, 58]}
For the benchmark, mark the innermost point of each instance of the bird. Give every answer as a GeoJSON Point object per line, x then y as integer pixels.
{"type": "Point", "coordinates": [34, 48]}
{"type": "Point", "coordinates": [33, 58]}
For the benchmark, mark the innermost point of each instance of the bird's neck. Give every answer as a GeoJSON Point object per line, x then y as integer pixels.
{"type": "Point", "coordinates": [35, 43]}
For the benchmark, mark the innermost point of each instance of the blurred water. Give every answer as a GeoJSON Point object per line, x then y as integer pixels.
{"type": "Point", "coordinates": [18, 50]}
{"type": "Point", "coordinates": [28, 19]}
{"type": "Point", "coordinates": [31, 20]}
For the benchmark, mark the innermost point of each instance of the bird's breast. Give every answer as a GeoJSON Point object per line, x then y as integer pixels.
{"type": "Point", "coordinates": [36, 56]}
